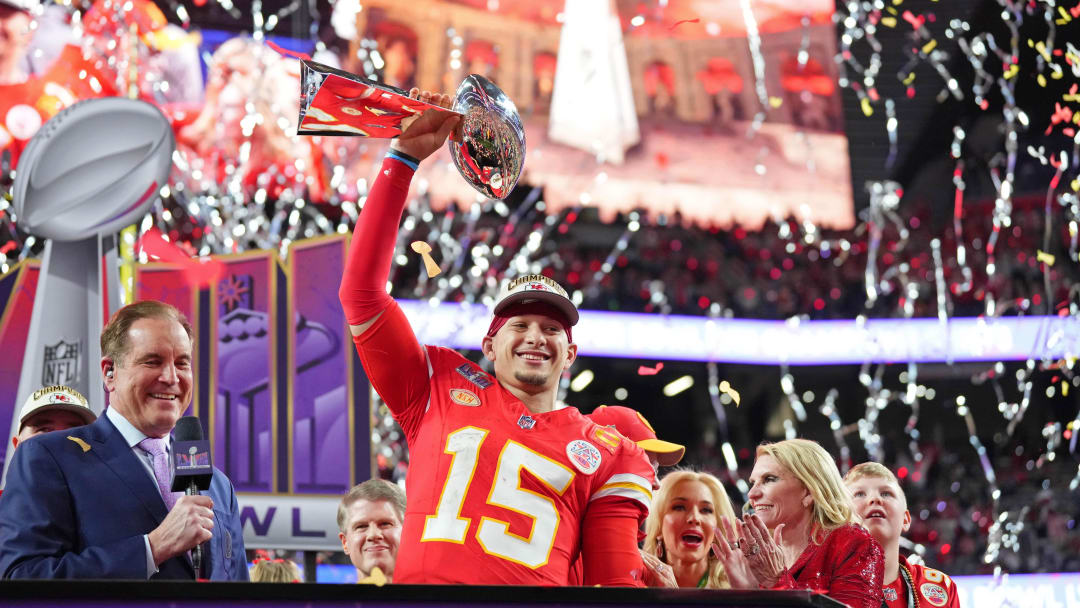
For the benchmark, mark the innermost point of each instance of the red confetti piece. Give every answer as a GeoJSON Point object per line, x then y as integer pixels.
{"type": "Point", "coordinates": [915, 21]}
{"type": "Point", "coordinates": [196, 273]}
{"type": "Point", "coordinates": [650, 371]}
{"type": "Point", "coordinates": [287, 52]}
{"type": "Point", "coordinates": [1061, 114]}
{"type": "Point", "coordinates": [678, 23]}
{"type": "Point", "coordinates": [8, 246]}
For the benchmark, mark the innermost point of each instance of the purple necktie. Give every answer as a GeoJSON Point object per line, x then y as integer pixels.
{"type": "Point", "coordinates": [156, 448]}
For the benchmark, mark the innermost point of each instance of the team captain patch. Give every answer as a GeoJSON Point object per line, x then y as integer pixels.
{"type": "Point", "coordinates": [934, 594]}
{"type": "Point", "coordinates": [464, 397]}
{"type": "Point", "coordinates": [583, 455]}
{"type": "Point", "coordinates": [474, 375]}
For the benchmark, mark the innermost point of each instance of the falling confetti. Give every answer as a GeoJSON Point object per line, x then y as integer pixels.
{"type": "Point", "coordinates": [424, 250]}
{"type": "Point", "coordinates": [375, 577]}
{"type": "Point", "coordinates": [650, 371]}
{"type": "Point", "coordinates": [726, 389]}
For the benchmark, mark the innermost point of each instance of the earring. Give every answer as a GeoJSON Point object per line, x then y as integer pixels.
{"type": "Point", "coordinates": [660, 551]}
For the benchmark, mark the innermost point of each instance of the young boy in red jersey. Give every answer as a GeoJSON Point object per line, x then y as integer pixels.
{"type": "Point", "coordinates": [882, 508]}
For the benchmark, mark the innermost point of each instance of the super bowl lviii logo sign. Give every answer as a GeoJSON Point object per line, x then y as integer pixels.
{"type": "Point", "coordinates": [278, 386]}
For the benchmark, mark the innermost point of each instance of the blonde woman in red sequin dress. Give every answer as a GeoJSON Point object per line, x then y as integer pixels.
{"type": "Point", "coordinates": [801, 534]}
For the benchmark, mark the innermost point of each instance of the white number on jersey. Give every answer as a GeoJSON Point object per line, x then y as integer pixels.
{"type": "Point", "coordinates": [493, 534]}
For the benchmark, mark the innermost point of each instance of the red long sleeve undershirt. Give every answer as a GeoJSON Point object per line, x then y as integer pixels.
{"type": "Point", "coordinates": [367, 269]}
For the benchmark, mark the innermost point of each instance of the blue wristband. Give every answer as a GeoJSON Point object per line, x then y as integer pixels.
{"type": "Point", "coordinates": [405, 158]}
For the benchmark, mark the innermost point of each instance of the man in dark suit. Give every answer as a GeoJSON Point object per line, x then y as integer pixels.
{"type": "Point", "coordinates": [95, 502]}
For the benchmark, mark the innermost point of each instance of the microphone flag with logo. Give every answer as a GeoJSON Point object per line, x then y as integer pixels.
{"type": "Point", "coordinates": [192, 472]}
{"type": "Point", "coordinates": [192, 466]}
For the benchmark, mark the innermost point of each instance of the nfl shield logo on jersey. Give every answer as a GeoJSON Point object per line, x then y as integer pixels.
{"type": "Point", "coordinates": [526, 422]}
{"type": "Point", "coordinates": [583, 455]}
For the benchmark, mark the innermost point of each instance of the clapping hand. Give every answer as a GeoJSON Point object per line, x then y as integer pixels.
{"type": "Point", "coordinates": [657, 573]}
{"type": "Point", "coordinates": [727, 551]}
{"type": "Point", "coordinates": [761, 550]}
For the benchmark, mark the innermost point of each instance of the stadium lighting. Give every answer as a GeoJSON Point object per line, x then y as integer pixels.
{"type": "Point", "coordinates": [759, 342]}
{"type": "Point", "coordinates": [582, 380]}
{"type": "Point", "coordinates": [678, 385]}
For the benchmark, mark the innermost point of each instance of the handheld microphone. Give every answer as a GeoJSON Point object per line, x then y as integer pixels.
{"type": "Point", "coordinates": [192, 472]}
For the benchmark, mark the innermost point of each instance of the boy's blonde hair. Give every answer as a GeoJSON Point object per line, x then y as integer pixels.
{"type": "Point", "coordinates": [874, 470]}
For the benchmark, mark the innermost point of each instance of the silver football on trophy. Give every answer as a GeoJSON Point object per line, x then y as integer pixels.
{"type": "Point", "coordinates": [489, 151]}
{"type": "Point", "coordinates": [93, 169]}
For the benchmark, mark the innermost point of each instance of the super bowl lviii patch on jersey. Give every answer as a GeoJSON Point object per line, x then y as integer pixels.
{"type": "Point", "coordinates": [583, 455]}
{"type": "Point", "coordinates": [935, 594]}
{"type": "Point", "coordinates": [461, 396]}
{"type": "Point", "coordinates": [474, 375]}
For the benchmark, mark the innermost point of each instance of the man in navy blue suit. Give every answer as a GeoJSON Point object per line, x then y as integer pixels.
{"type": "Point", "coordinates": [95, 502]}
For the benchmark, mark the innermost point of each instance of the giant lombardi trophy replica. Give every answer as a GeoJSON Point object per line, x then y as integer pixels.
{"type": "Point", "coordinates": [91, 170]}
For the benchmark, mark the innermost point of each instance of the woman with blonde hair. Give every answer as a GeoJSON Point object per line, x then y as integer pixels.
{"type": "Point", "coordinates": [275, 571]}
{"type": "Point", "coordinates": [682, 528]}
{"type": "Point", "coordinates": [801, 533]}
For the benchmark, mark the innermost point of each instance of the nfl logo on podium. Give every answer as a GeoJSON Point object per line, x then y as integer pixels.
{"type": "Point", "coordinates": [61, 363]}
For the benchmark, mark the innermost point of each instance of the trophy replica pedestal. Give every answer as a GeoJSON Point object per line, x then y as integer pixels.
{"type": "Point", "coordinates": [72, 302]}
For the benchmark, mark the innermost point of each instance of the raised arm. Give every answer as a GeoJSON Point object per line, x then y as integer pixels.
{"type": "Point", "coordinates": [392, 358]}
{"type": "Point", "coordinates": [363, 286]}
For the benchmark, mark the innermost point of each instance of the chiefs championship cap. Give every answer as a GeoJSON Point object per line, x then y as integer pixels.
{"type": "Point", "coordinates": [57, 397]}
{"type": "Point", "coordinates": [631, 424]}
{"type": "Point", "coordinates": [537, 288]}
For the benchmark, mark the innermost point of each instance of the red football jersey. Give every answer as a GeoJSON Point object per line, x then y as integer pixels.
{"type": "Point", "coordinates": [496, 494]}
{"type": "Point", "coordinates": [932, 587]}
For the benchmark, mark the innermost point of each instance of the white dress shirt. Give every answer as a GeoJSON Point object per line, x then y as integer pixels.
{"type": "Point", "coordinates": [133, 436]}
